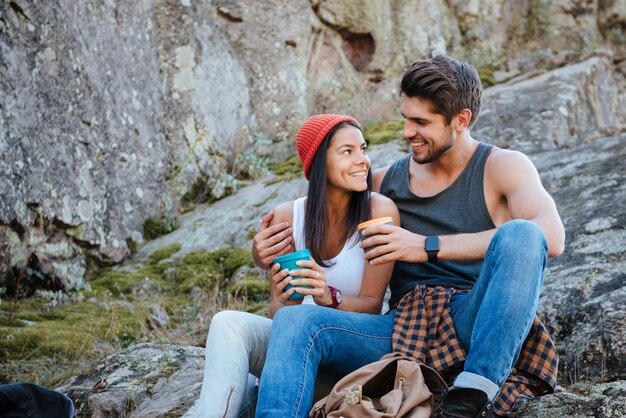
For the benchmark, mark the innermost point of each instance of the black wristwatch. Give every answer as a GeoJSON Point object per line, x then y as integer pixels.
{"type": "Point", "coordinates": [431, 245]}
{"type": "Point", "coordinates": [337, 297]}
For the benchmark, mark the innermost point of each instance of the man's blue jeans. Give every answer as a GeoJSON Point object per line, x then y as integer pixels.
{"type": "Point", "coordinates": [491, 322]}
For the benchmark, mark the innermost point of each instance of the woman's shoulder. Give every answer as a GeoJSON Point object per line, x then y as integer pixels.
{"type": "Point", "coordinates": [283, 213]}
{"type": "Point", "coordinates": [378, 200]}
{"type": "Point", "coordinates": [382, 206]}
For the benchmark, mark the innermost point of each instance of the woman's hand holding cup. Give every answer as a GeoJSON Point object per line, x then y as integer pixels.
{"type": "Point", "coordinates": [315, 276]}
{"type": "Point", "coordinates": [279, 279]}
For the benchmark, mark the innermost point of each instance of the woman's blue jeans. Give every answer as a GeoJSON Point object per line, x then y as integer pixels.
{"type": "Point", "coordinates": [491, 322]}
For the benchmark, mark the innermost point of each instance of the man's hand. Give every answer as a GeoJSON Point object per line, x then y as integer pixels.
{"type": "Point", "coordinates": [271, 241]}
{"type": "Point", "coordinates": [394, 244]}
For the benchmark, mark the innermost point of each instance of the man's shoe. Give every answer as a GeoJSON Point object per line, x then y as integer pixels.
{"type": "Point", "coordinates": [465, 403]}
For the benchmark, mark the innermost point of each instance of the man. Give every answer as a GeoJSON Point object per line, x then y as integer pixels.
{"type": "Point", "coordinates": [474, 217]}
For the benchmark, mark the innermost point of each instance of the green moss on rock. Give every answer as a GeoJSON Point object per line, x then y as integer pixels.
{"type": "Point", "coordinates": [485, 73]}
{"type": "Point", "coordinates": [286, 170]}
{"type": "Point", "coordinates": [382, 132]}
{"type": "Point", "coordinates": [121, 282]}
{"type": "Point", "coordinates": [165, 252]}
{"type": "Point", "coordinates": [72, 331]}
{"type": "Point", "coordinates": [166, 370]}
{"type": "Point", "coordinates": [208, 269]}
{"type": "Point", "coordinates": [89, 324]}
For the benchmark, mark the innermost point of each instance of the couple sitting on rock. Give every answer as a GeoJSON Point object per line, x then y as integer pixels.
{"type": "Point", "coordinates": [476, 230]}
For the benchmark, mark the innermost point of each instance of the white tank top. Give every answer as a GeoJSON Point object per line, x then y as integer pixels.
{"type": "Point", "coordinates": [346, 271]}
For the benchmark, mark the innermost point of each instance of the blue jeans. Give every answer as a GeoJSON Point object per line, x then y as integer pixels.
{"type": "Point", "coordinates": [491, 322]}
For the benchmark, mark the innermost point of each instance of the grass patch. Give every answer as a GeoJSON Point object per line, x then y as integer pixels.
{"type": "Point", "coordinates": [113, 314]}
{"type": "Point", "coordinates": [120, 283]}
{"type": "Point", "coordinates": [164, 253]}
{"type": "Point", "coordinates": [253, 289]}
{"type": "Point", "coordinates": [209, 269]}
{"type": "Point", "coordinates": [73, 331]}
{"type": "Point", "coordinates": [383, 132]}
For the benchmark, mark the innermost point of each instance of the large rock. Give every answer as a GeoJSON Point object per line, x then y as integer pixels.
{"type": "Point", "coordinates": [555, 110]}
{"type": "Point", "coordinates": [79, 116]}
{"type": "Point", "coordinates": [607, 400]}
{"type": "Point", "coordinates": [585, 289]}
{"type": "Point", "coordinates": [159, 381]}
{"type": "Point", "coordinates": [146, 380]}
{"type": "Point", "coordinates": [489, 24]}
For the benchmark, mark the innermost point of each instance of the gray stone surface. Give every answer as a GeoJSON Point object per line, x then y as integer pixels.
{"type": "Point", "coordinates": [556, 110]}
{"type": "Point", "coordinates": [607, 400]}
{"type": "Point", "coordinates": [583, 301]}
{"type": "Point", "coordinates": [146, 380]}
{"type": "Point", "coordinates": [80, 108]}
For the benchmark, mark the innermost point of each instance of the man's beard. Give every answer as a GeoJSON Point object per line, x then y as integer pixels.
{"type": "Point", "coordinates": [431, 156]}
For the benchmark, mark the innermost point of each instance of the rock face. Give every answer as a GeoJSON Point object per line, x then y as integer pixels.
{"type": "Point", "coordinates": [582, 303]}
{"type": "Point", "coordinates": [114, 113]}
{"type": "Point", "coordinates": [559, 109]}
{"type": "Point", "coordinates": [147, 380]}
{"type": "Point", "coordinates": [77, 121]}
{"type": "Point", "coordinates": [585, 288]}
{"type": "Point", "coordinates": [607, 400]}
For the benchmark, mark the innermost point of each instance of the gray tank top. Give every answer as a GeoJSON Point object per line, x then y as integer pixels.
{"type": "Point", "coordinates": [460, 208]}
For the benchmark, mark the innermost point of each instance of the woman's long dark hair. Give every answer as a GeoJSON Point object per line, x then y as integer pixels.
{"type": "Point", "coordinates": [316, 213]}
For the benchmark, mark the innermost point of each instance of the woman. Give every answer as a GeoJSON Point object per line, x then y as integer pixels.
{"type": "Point", "coordinates": [333, 155]}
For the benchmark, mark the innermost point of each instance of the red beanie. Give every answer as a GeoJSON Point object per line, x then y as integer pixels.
{"type": "Point", "coordinates": [312, 133]}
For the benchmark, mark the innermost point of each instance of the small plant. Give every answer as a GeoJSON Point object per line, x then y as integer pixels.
{"type": "Point", "coordinates": [154, 228]}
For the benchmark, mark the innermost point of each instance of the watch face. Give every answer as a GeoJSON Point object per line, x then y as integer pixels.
{"type": "Point", "coordinates": [338, 296]}
{"type": "Point", "coordinates": [431, 244]}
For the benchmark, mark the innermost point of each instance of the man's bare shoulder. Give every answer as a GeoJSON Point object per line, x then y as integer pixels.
{"type": "Point", "coordinates": [283, 213]}
{"type": "Point", "coordinates": [508, 168]}
{"type": "Point", "coordinates": [504, 161]}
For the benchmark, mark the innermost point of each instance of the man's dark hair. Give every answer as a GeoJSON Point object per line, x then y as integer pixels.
{"type": "Point", "coordinates": [450, 85]}
{"type": "Point", "coordinates": [316, 213]}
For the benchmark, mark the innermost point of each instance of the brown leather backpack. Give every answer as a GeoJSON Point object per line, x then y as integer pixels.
{"type": "Point", "coordinates": [393, 387]}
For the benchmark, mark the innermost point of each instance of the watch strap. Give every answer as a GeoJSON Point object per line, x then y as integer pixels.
{"type": "Point", "coordinates": [333, 293]}
{"type": "Point", "coordinates": [431, 246]}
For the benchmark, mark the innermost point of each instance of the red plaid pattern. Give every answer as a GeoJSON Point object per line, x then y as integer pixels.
{"type": "Point", "coordinates": [423, 329]}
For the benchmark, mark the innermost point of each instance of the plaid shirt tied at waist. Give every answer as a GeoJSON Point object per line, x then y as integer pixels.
{"type": "Point", "coordinates": [423, 329]}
